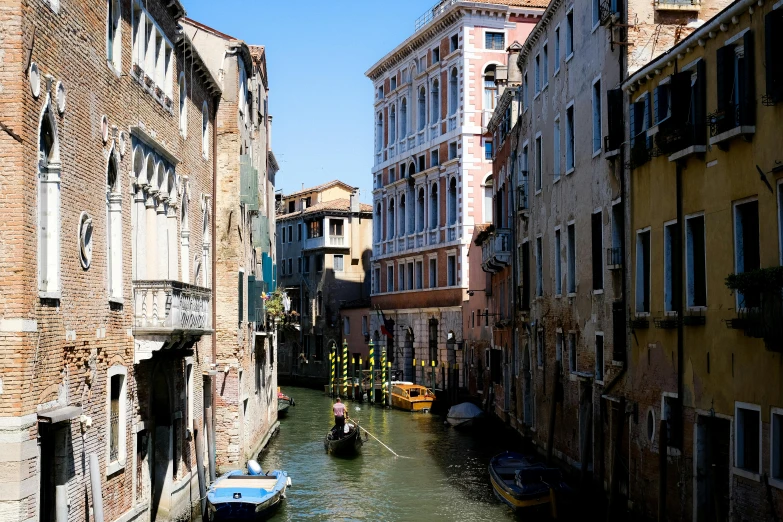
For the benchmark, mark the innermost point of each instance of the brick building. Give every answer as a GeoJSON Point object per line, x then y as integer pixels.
{"type": "Point", "coordinates": [435, 94]}
{"type": "Point", "coordinates": [323, 243]}
{"type": "Point", "coordinates": [704, 183]}
{"type": "Point", "coordinates": [245, 345]}
{"type": "Point", "coordinates": [105, 321]}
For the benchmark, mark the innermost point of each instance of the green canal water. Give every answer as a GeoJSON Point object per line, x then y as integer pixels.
{"type": "Point", "coordinates": [444, 477]}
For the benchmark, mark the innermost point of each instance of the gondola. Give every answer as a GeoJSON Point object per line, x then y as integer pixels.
{"type": "Point", "coordinates": [526, 486]}
{"type": "Point", "coordinates": [240, 496]}
{"type": "Point", "coordinates": [348, 444]}
{"type": "Point", "coordinates": [282, 408]}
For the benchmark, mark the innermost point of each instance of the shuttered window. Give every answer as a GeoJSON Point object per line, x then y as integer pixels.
{"type": "Point", "coordinates": [773, 42]}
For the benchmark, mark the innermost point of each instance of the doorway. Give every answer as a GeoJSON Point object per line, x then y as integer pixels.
{"type": "Point", "coordinates": [162, 457]}
{"type": "Point", "coordinates": [713, 472]}
{"type": "Point", "coordinates": [57, 465]}
{"type": "Point", "coordinates": [528, 378]}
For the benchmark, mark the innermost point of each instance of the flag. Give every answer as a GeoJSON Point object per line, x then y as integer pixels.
{"type": "Point", "coordinates": [387, 325]}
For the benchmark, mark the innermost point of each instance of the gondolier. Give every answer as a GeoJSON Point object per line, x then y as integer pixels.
{"type": "Point", "coordinates": [339, 417]}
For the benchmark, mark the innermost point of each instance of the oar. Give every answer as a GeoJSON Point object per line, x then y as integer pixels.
{"type": "Point", "coordinates": [381, 443]}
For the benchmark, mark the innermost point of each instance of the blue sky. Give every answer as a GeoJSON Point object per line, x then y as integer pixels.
{"type": "Point", "coordinates": [317, 53]}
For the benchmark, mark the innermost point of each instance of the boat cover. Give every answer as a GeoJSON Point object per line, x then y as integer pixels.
{"type": "Point", "coordinates": [466, 410]}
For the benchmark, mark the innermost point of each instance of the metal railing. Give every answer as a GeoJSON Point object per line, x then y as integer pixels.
{"type": "Point", "coordinates": [431, 13]}
{"type": "Point", "coordinates": [614, 258]}
{"type": "Point", "coordinates": [733, 116]}
{"type": "Point", "coordinates": [171, 305]}
{"type": "Point", "coordinates": [496, 250]}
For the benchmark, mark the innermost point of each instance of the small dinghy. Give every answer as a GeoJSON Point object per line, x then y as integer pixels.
{"type": "Point", "coordinates": [526, 486]}
{"type": "Point", "coordinates": [347, 443]}
{"type": "Point", "coordinates": [464, 416]}
{"type": "Point", "coordinates": [240, 496]}
{"type": "Point", "coordinates": [282, 408]}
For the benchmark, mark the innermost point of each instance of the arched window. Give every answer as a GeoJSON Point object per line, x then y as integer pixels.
{"type": "Point", "coordinates": [206, 241]}
{"type": "Point", "coordinates": [490, 89]}
{"type": "Point", "coordinates": [402, 216]}
{"type": "Point", "coordinates": [48, 207]}
{"type": "Point", "coordinates": [379, 133]}
{"type": "Point", "coordinates": [185, 235]}
{"type": "Point", "coordinates": [420, 210]}
{"type": "Point", "coordinates": [204, 129]}
{"type": "Point", "coordinates": [114, 225]}
{"type": "Point", "coordinates": [435, 96]}
{"type": "Point", "coordinates": [391, 220]}
{"type": "Point", "coordinates": [453, 92]}
{"type": "Point", "coordinates": [138, 217]}
{"type": "Point", "coordinates": [113, 39]}
{"type": "Point", "coordinates": [452, 201]}
{"type": "Point", "coordinates": [378, 224]}
{"type": "Point", "coordinates": [393, 125]}
{"type": "Point", "coordinates": [488, 200]}
{"type": "Point", "coordinates": [434, 206]}
{"type": "Point", "coordinates": [422, 116]}
{"type": "Point", "coordinates": [183, 113]}
{"type": "Point", "coordinates": [404, 118]}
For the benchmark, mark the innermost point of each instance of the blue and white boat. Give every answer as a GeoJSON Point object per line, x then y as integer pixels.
{"type": "Point", "coordinates": [246, 496]}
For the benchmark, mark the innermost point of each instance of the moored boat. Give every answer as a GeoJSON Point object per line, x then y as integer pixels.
{"type": "Point", "coordinates": [464, 416]}
{"type": "Point", "coordinates": [347, 444]}
{"type": "Point", "coordinates": [240, 496]}
{"type": "Point", "coordinates": [283, 397]}
{"type": "Point", "coordinates": [411, 397]}
{"type": "Point", "coordinates": [282, 408]}
{"type": "Point", "coordinates": [524, 485]}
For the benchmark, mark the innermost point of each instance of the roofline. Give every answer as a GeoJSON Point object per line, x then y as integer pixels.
{"type": "Point", "coordinates": [213, 86]}
{"type": "Point", "coordinates": [532, 38]}
{"type": "Point", "coordinates": [303, 214]}
{"type": "Point", "coordinates": [449, 17]}
{"type": "Point", "coordinates": [207, 28]}
{"type": "Point", "coordinates": [234, 43]}
{"type": "Point", "coordinates": [323, 186]}
{"type": "Point", "coordinates": [706, 31]}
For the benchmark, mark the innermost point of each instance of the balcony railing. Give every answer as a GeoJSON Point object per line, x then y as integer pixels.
{"type": "Point", "coordinates": [401, 244]}
{"type": "Point", "coordinates": [401, 146]}
{"type": "Point", "coordinates": [452, 233]}
{"type": "Point", "coordinates": [687, 5]}
{"type": "Point", "coordinates": [614, 258]}
{"type": "Point", "coordinates": [336, 241]}
{"type": "Point", "coordinates": [733, 116]}
{"type": "Point", "coordinates": [431, 13]}
{"type": "Point", "coordinates": [166, 307]}
{"type": "Point", "coordinates": [452, 123]}
{"type": "Point", "coordinates": [486, 115]}
{"type": "Point", "coordinates": [324, 241]}
{"type": "Point", "coordinates": [496, 251]}
{"type": "Point", "coordinates": [434, 130]}
{"type": "Point", "coordinates": [420, 137]}
{"type": "Point", "coordinates": [433, 237]}
{"type": "Point", "coordinates": [411, 141]}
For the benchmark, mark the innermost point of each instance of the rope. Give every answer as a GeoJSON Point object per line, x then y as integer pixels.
{"type": "Point", "coordinates": [381, 443]}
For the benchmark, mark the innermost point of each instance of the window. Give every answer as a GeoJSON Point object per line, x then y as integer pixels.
{"type": "Point", "coordinates": [540, 349]}
{"type": "Point", "coordinates": [204, 129]}
{"type": "Point", "coordinates": [389, 278]}
{"type": "Point", "coordinates": [391, 222]}
{"type": "Point", "coordinates": [571, 258]}
{"type": "Point", "coordinates": [434, 158]}
{"type": "Point", "coordinates": [569, 139]}
{"type": "Point", "coordinates": [736, 83]}
{"type": "Point", "coordinates": [401, 278]}
{"type": "Point", "coordinates": [643, 271]}
{"type": "Point", "coordinates": [488, 200]}
{"type": "Point", "coordinates": [453, 92]}
{"type": "Point", "coordinates": [114, 220]}
{"type": "Point", "coordinates": [452, 150]}
{"type": "Point", "coordinates": [422, 115]}
{"type": "Point", "coordinates": [488, 150]}
{"type": "Point", "coordinates": [393, 83]}
{"type": "Point", "coordinates": [282, 235]}
{"type": "Point", "coordinates": [746, 246]}
{"type": "Point", "coordinates": [669, 235]}
{"type": "Point", "coordinates": [315, 228]}
{"type": "Point", "coordinates": [380, 92]}
{"type": "Point", "coordinates": [556, 150]}
{"type": "Point", "coordinates": [420, 211]}
{"type": "Point", "coordinates": [346, 326]}
{"type": "Point", "coordinates": [433, 273]}
{"type": "Point", "coordinates": [525, 277]}
{"type": "Point", "coordinates": [137, 34]}
{"type": "Point", "coordinates": [117, 413]}
{"type": "Point", "coordinates": [306, 263]}
{"type": "Point", "coordinates": [558, 265]}
{"type": "Point", "coordinates": [290, 233]}
{"type": "Point", "coordinates": [773, 39]}
{"type": "Point", "coordinates": [525, 91]}
{"type": "Point", "coordinates": [776, 444]}
{"type": "Point", "coordinates": [451, 271]}
{"type": "Point", "coordinates": [299, 265]}
{"type": "Point", "coordinates": [298, 231]}
{"type": "Point", "coordinates": [113, 39]}
{"type": "Point", "coordinates": [597, 136]}
{"type": "Point", "coordinates": [747, 438]}
{"type": "Point", "coordinates": [190, 390]}
{"type": "Point", "coordinates": [569, 34]}
{"type": "Point", "coordinates": [596, 13]}
{"type": "Point", "coordinates": [537, 73]}
{"type": "Point", "coordinates": [696, 261]}
{"type": "Point", "coordinates": [48, 207]}
{"type": "Point", "coordinates": [557, 49]}
{"type": "Point", "coordinates": [410, 276]}
{"type": "Point", "coordinates": [422, 163]}
{"type": "Point", "coordinates": [436, 55]}
{"type": "Point", "coordinates": [545, 65]}
{"type": "Point", "coordinates": [379, 132]}
{"type": "Point", "coordinates": [454, 43]}
{"type": "Point", "coordinates": [539, 267]}
{"type": "Point", "coordinates": [572, 352]}
{"type": "Point", "coordinates": [403, 118]}
{"type": "Point", "coordinates": [183, 113]}
{"type": "Point", "coordinates": [419, 275]}
{"type": "Point", "coordinates": [661, 103]}
{"type": "Point", "coordinates": [539, 164]}
{"type": "Point", "coordinates": [559, 348]}
{"type": "Point", "coordinates": [490, 89]}
{"type": "Point", "coordinates": [377, 280]}
{"type": "Point", "coordinates": [393, 125]}
{"type": "Point", "coordinates": [599, 357]}
{"type": "Point", "coordinates": [435, 102]}
{"type": "Point", "coordinates": [319, 263]}
{"type": "Point", "coordinates": [434, 206]}
{"type": "Point", "coordinates": [598, 250]}
{"type": "Point", "coordinates": [494, 41]}
{"type": "Point", "coordinates": [290, 266]}
{"type": "Point", "coordinates": [338, 262]}
{"type": "Point", "coordinates": [614, 110]}
{"type": "Point", "coordinates": [452, 202]}
{"type": "Point", "coordinates": [402, 216]}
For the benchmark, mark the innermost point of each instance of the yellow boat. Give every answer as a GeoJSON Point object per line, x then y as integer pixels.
{"type": "Point", "coordinates": [411, 397]}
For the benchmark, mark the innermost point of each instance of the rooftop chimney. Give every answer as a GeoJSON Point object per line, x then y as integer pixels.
{"type": "Point", "coordinates": [514, 74]}
{"type": "Point", "coordinates": [269, 133]}
{"type": "Point", "coordinates": [355, 202]}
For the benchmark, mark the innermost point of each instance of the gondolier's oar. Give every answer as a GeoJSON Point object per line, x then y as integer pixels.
{"type": "Point", "coordinates": [382, 444]}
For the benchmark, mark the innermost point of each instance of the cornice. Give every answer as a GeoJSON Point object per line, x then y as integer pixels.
{"type": "Point", "coordinates": [537, 31]}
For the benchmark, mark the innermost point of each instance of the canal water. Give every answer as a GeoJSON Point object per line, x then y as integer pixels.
{"type": "Point", "coordinates": [443, 477]}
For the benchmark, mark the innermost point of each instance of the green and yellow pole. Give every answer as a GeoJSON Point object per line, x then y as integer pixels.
{"type": "Point", "coordinates": [388, 387]}
{"type": "Point", "coordinates": [433, 375]}
{"type": "Point", "coordinates": [361, 380]}
{"type": "Point", "coordinates": [331, 375]}
{"type": "Point", "coordinates": [414, 370]}
{"type": "Point", "coordinates": [383, 375]}
{"type": "Point", "coordinates": [423, 371]}
{"type": "Point", "coordinates": [345, 368]}
{"type": "Point", "coordinates": [372, 372]}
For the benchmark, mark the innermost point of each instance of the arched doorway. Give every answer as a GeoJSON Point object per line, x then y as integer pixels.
{"type": "Point", "coordinates": [162, 464]}
{"type": "Point", "coordinates": [408, 355]}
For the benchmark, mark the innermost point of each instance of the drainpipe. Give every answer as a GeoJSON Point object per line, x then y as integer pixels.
{"type": "Point", "coordinates": [678, 303]}
{"type": "Point", "coordinates": [212, 443]}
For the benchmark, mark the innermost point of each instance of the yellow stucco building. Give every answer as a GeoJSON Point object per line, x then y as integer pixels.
{"type": "Point", "coordinates": [705, 182]}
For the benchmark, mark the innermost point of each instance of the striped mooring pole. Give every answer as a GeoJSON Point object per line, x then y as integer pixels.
{"type": "Point", "coordinates": [388, 386]}
{"type": "Point", "coordinates": [331, 375]}
{"type": "Point", "coordinates": [345, 369]}
{"type": "Point", "coordinates": [414, 370]}
{"type": "Point", "coordinates": [372, 372]}
{"type": "Point", "coordinates": [383, 375]}
{"type": "Point", "coordinates": [433, 375]}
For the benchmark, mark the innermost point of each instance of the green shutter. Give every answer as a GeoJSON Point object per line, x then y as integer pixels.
{"type": "Point", "coordinates": [252, 298]}
{"type": "Point", "coordinates": [241, 295]}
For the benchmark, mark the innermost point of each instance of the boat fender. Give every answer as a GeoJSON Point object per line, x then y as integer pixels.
{"type": "Point", "coordinates": [254, 468]}
{"type": "Point", "coordinates": [288, 482]}
{"type": "Point", "coordinates": [293, 402]}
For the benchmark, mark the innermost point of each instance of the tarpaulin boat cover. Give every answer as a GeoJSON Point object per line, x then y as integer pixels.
{"type": "Point", "coordinates": [466, 410]}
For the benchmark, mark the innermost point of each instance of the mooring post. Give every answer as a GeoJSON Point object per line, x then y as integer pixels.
{"type": "Point", "coordinates": [383, 376]}
{"type": "Point", "coordinates": [372, 372]}
{"type": "Point", "coordinates": [432, 363]}
{"type": "Point", "coordinates": [331, 374]}
{"type": "Point", "coordinates": [388, 391]}
{"type": "Point", "coordinates": [414, 370]}
{"type": "Point", "coordinates": [663, 449]}
{"type": "Point", "coordinates": [361, 379]}
{"type": "Point", "coordinates": [345, 368]}
{"type": "Point", "coordinates": [552, 414]}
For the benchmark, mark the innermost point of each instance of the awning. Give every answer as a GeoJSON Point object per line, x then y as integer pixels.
{"type": "Point", "coordinates": [60, 414]}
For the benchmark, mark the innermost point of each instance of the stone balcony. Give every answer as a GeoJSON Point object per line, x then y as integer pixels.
{"type": "Point", "coordinates": [496, 251]}
{"type": "Point", "coordinates": [166, 307]}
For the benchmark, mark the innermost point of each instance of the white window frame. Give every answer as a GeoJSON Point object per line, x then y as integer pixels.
{"type": "Point", "coordinates": [774, 481]}
{"type": "Point", "coordinates": [637, 243]}
{"type": "Point", "coordinates": [557, 50]}
{"type": "Point", "coordinates": [205, 130]}
{"type": "Point", "coordinates": [538, 145]}
{"type": "Point", "coordinates": [115, 466]}
{"type": "Point", "coordinates": [183, 104]}
{"type": "Point", "coordinates": [154, 65]}
{"type": "Point", "coordinates": [603, 358]}
{"type": "Point", "coordinates": [114, 44]}
{"type": "Point", "coordinates": [342, 262]}
{"type": "Point", "coordinates": [570, 33]}
{"type": "Point", "coordinates": [545, 64]}
{"type": "Point", "coordinates": [191, 392]}
{"type": "Point", "coordinates": [571, 259]}
{"type": "Point", "coordinates": [688, 255]}
{"type": "Point", "coordinates": [734, 206]}
{"type": "Point", "coordinates": [668, 266]}
{"type": "Point", "coordinates": [558, 262]}
{"type": "Point", "coordinates": [556, 149]}
{"type": "Point", "coordinates": [570, 143]}
{"type": "Point", "coordinates": [735, 468]}
{"type": "Point", "coordinates": [598, 120]}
